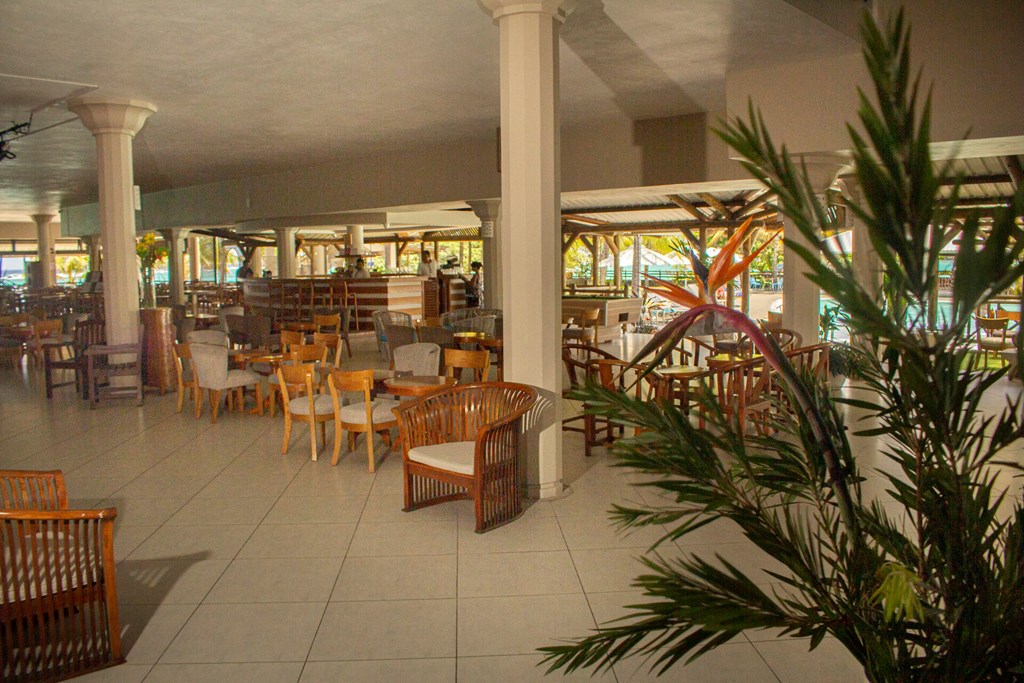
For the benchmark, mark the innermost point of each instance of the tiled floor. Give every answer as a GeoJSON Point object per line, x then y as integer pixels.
{"type": "Point", "coordinates": [238, 563]}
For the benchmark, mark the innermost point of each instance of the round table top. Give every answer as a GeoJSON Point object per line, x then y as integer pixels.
{"type": "Point", "coordinates": [417, 385]}
{"type": "Point", "coordinates": [680, 370]}
{"type": "Point", "coordinates": [469, 335]}
{"type": "Point", "coordinates": [727, 358]}
{"type": "Point", "coordinates": [491, 342]}
{"type": "Point", "coordinates": [301, 326]}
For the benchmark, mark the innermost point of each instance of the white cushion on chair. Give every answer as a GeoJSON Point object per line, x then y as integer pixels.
{"type": "Point", "coordinates": [356, 412]}
{"type": "Point", "coordinates": [457, 456]}
{"type": "Point", "coordinates": [322, 405]}
{"type": "Point", "coordinates": [52, 568]}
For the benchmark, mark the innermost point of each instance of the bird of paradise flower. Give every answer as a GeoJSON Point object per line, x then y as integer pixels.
{"type": "Point", "coordinates": [709, 279]}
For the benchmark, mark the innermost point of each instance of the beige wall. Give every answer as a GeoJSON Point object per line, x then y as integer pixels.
{"type": "Point", "coordinates": [965, 48]}
{"type": "Point", "coordinates": [601, 155]}
{"type": "Point", "coordinates": [25, 230]}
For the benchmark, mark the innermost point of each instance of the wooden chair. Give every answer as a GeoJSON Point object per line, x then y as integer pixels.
{"type": "Point", "coordinates": [185, 374]}
{"type": "Point", "coordinates": [586, 322]}
{"type": "Point", "coordinates": [364, 417]}
{"type": "Point", "coordinates": [618, 375]}
{"type": "Point", "coordinates": [991, 336]}
{"type": "Point", "coordinates": [291, 339]}
{"type": "Point", "coordinates": [302, 403]}
{"type": "Point", "coordinates": [105, 362]}
{"type": "Point", "coordinates": [58, 612]}
{"type": "Point", "coordinates": [463, 442]}
{"type": "Point", "coordinates": [314, 354]}
{"type": "Point", "coordinates": [332, 343]}
{"type": "Point", "coordinates": [332, 321]}
{"type": "Point", "coordinates": [457, 360]}
{"type": "Point", "coordinates": [335, 323]}
{"type": "Point", "coordinates": [575, 357]}
{"type": "Point", "coordinates": [47, 338]}
{"type": "Point", "coordinates": [87, 333]}
{"type": "Point", "coordinates": [745, 390]}
{"type": "Point", "coordinates": [787, 339]}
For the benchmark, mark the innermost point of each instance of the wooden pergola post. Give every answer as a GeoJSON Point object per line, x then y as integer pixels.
{"type": "Point", "coordinates": [616, 245]}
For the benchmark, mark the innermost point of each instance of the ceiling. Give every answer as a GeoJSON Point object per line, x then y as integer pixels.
{"type": "Point", "coordinates": [248, 88]}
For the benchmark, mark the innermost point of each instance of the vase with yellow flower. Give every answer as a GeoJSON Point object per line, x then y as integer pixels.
{"type": "Point", "coordinates": [150, 252]}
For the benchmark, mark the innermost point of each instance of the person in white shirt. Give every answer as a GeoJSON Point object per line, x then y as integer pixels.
{"type": "Point", "coordinates": [428, 267]}
{"type": "Point", "coordinates": [360, 273]}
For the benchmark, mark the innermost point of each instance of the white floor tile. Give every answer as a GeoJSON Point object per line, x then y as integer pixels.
{"type": "Point", "coordinates": [386, 629]}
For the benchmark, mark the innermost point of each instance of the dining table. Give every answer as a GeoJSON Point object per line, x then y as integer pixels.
{"type": "Point", "coordinates": [416, 385]}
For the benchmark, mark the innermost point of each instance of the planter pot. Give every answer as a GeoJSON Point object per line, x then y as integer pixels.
{"type": "Point", "coordinates": [836, 382]}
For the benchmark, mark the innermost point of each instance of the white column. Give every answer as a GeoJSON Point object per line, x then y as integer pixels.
{"type": "Point", "coordinates": [801, 298]}
{"type": "Point", "coordinates": [489, 212]}
{"type": "Point", "coordinates": [390, 257]}
{"type": "Point", "coordinates": [46, 249]}
{"type": "Point", "coordinates": [176, 262]}
{"type": "Point", "coordinates": [286, 251]}
{"type": "Point", "coordinates": [355, 238]}
{"type": "Point", "coordinates": [267, 259]}
{"type": "Point", "coordinates": [319, 260]}
{"type": "Point", "coordinates": [194, 260]}
{"type": "Point", "coordinates": [867, 267]}
{"type": "Point", "coordinates": [92, 243]}
{"type": "Point", "coordinates": [114, 123]}
{"type": "Point", "coordinates": [530, 240]}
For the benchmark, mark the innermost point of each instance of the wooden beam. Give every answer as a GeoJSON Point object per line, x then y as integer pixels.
{"type": "Point", "coordinates": [716, 204]}
{"type": "Point", "coordinates": [690, 236]}
{"type": "Point", "coordinates": [688, 207]}
{"type": "Point", "coordinates": [1014, 170]}
{"type": "Point", "coordinates": [670, 227]}
{"type": "Point", "coordinates": [568, 239]}
{"type": "Point", "coordinates": [755, 204]}
{"type": "Point", "coordinates": [588, 242]}
{"type": "Point", "coordinates": [612, 246]}
{"type": "Point", "coordinates": [653, 206]}
{"type": "Point", "coordinates": [617, 267]}
{"type": "Point", "coordinates": [583, 219]}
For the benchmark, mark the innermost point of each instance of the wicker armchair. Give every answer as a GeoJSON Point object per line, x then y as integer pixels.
{"type": "Point", "coordinates": [463, 442]}
{"type": "Point", "coordinates": [58, 615]}
{"type": "Point", "coordinates": [382, 318]}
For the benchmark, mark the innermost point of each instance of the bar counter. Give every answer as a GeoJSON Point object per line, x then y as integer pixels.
{"type": "Point", "coordinates": [297, 298]}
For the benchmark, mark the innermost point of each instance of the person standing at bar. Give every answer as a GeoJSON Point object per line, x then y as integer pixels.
{"type": "Point", "coordinates": [428, 267]}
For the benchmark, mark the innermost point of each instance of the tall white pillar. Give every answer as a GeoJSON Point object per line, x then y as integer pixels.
{"type": "Point", "coordinates": [114, 123]}
{"type": "Point", "coordinates": [867, 267]}
{"type": "Point", "coordinates": [175, 238]}
{"type": "Point", "coordinates": [286, 251]}
{"type": "Point", "coordinates": [530, 238]}
{"type": "Point", "coordinates": [92, 243]}
{"type": "Point", "coordinates": [355, 238]}
{"type": "Point", "coordinates": [320, 259]}
{"type": "Point", "coordinates": [267, 259]}
{"type": "Point", "coordinates": [194, 261]}
{"type": "Point", "coordinates": [489, 213]}
{"type": "Point", "coordinates": [46, 250]}
{"type": "Point", "coordinates": [801, 297]}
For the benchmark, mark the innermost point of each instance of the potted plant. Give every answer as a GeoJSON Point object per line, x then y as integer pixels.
{"type": "Point", "coordinates": [922, 582]}
{"type": "Point", "coordinates": [150, 252]}
{"type": "Point", "coordinates": [845, 362]}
